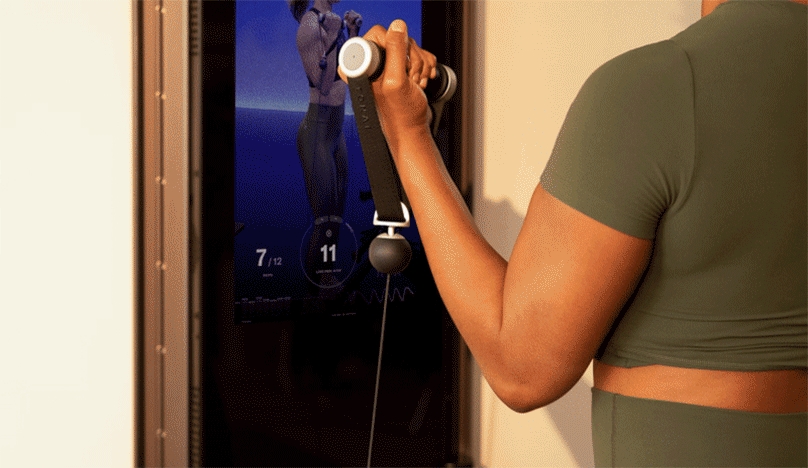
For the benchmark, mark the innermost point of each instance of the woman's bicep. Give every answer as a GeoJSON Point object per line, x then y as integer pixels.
{"type": "Point", "coordinates": [309, 45]}
{"type": "Point", "coordinates": [622, 157]}
{"type": "Point", "coordinates": [567, 278]}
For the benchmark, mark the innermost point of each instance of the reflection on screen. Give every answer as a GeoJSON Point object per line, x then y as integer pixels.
{"type": "Point", "coordinates": [303, 208]}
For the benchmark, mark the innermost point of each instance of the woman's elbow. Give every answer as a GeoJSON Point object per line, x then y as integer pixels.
{"type": "Point", "coordinates": [526, 404]}
{"type": "Point", "coordinates": [518, 398]}
{"type": "Point", "coordinates": [521, 406]}
{"type": "Point", "coordinates": [528, 397]}
{"type": "Point", "coordinates": [512, 398]}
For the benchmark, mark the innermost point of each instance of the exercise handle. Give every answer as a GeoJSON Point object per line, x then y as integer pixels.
{"type": "Point", "coordinates": [360, 58]}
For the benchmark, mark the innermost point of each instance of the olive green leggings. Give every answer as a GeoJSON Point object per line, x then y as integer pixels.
{"type": "Point", "coordinates": [629, 431]}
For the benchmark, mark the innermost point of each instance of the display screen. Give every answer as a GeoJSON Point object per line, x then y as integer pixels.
{"type": "Point", "coordinates": [303, 207]}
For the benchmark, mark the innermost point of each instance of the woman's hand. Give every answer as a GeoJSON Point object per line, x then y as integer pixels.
{"type": "Point", "coordinates": [353, 21]}
{"type": "Point", "coordinates": [402, 105]}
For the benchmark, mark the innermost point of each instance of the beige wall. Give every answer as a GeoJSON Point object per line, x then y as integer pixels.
{"type": "Point", "coordinates": [534, 57]}
{"type": "Point", "coordinates": [66, 323]}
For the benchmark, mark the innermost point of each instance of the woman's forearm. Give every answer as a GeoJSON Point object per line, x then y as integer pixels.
{"type": "Point", "coordinates": [532, 323]}
{"type": "Point", "coordinates": [469, 273]}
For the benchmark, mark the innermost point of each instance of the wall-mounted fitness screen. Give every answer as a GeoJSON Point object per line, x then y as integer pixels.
{"type": "Point", "coordinates": [303, 208]}
{"type": "Point", "coordinates": [287, 310]}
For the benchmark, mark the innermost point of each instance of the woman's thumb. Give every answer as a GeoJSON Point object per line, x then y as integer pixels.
{"type": "Point", "coordinates": [397, 47]}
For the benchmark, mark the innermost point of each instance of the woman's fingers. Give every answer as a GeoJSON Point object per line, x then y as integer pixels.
{"type": "Point", "coordinates": [397, 47]}
{"type": "Point", "coordinates": [433, 66]}
{"type": "Point", "coordinates": [376, 34]}
{"type": "Point", "coordinates": [422, 65]}
{"type": "Point", "coordinates": [416, 62]}
{"type": "Point", "coordinates": [406, 57]}
{"type": "Point", "coordinates": [400, 102]}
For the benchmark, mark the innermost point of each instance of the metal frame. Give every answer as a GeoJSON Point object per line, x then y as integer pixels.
{"type": "Point", "coordinates": [468, 391]}
{"type": "Point", "coordinates": [162, 222]}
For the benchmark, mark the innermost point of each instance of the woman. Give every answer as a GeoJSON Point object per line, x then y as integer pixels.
{"type": "Point", "coordinates": [320, 140]}
{"type": "Point", "coordinates": [666, 240]}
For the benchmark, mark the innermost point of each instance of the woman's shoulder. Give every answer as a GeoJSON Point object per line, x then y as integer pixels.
{"type": "Point", "coordinates": [661, 60]}
{"type": "Point", "coordinates": [309, 26]}
{"type": "Point", "coordinates": [310, 16]}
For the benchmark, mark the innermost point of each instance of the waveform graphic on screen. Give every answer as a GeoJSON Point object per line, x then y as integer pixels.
{"type": "Point", "coordinates": [377, 296]}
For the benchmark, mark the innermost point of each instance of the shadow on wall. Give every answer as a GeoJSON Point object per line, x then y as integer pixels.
{"type": "Point", "coordinates": [499, 223]}
{"type": "Point", "coordinates": [571, 414]}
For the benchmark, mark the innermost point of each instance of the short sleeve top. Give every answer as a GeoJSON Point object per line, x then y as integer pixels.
{"type": "Point", "coordinates": [699, 143]}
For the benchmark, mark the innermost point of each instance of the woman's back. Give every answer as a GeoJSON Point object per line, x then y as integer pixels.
{"type": "Point", "coordinates": [726, 286]}
{"type": "Point", "coordinates": [699, 143]}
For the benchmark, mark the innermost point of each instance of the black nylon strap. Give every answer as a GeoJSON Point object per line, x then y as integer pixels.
{"type": "Point", "coordinates": [333, 44]}
{"type": "Point", "coordinates": [384, 182]}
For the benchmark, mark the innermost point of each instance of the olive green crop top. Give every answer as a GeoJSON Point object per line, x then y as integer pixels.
{"type": "Point", "coordinates": [699, 143]}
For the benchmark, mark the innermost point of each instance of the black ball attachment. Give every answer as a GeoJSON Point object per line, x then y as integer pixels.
{"type": "Point", "coordinates": [390, 253]}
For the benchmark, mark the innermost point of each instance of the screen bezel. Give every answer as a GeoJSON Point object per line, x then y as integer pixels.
{"type": "Point", "coordinates": [211, 142]}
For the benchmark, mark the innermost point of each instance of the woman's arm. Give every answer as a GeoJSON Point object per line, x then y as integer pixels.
{"type": "Point", "coordinates": [313, 40]}
{"type": "Point", "coordinates": [533, 323]}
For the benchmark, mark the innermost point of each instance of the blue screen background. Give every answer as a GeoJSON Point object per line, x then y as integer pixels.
{"type": "Point", "coordinates": [269, 74]}
{"type": "Point", "coordinates": [272, 95]}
